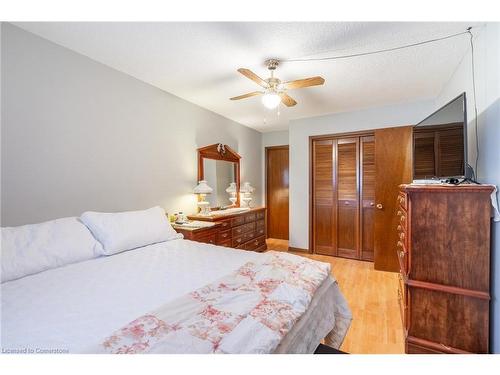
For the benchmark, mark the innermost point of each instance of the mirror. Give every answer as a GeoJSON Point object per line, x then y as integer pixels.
{"type": "Point", "coordinates": [219, 165]}
{"type": "Point", "coordinates": [218, 174]}
{"type": "Point", "coordinates": [440, 142]}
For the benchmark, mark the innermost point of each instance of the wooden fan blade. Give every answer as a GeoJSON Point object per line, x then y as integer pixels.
{"type": "Point", "coordinates": [254, 77]}
{"type": "Point", "coordinates": [255, 93]}
{"type": "Point", "coordinates": [306, 82]}
{"type": "Point", "coordinates": [287, 100]}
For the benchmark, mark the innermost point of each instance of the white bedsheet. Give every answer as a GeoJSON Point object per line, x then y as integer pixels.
{"type": "Point", "coordinates": [68, 309]}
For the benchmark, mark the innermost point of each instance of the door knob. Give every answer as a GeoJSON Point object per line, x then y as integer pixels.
{"type": "Point", "coordinates": [379, 206]}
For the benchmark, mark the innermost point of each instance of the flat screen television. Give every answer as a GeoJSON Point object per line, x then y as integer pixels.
{"type": "Point", "coordinates": [440, 143]}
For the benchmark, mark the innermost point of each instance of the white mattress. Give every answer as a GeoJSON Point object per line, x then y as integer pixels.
{"type": "Point", "coordinates": [69, 309]}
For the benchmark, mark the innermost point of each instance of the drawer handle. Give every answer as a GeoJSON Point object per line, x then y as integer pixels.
{"type": "Point", "coordinates": [402, 218]}
{"type": "Point", "coordinates": [256, 242]}
{"type": "Point", "coordinates": [224, 235]}
{"type": "Point", "coordinates": [399, 244]}
{"type": "Point", "coordinates": [238, 240]}
{"type": "Point", "coordinates": [379, 206]}
{"type": "Point", "coordinates": [400, 213]}
{"type": "Point", "coordinates": [401, 254]}
{"type": "Point", "coordinates": [402, 235]}
{"type": "Point", "coordinates": [400, 228]}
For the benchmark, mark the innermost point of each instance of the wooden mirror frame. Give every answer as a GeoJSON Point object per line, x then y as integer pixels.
{"type": "Point", "coordinates": [218, 151]}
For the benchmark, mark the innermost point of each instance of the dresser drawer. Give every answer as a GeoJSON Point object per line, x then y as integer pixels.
{"type": "Point", "coordinates": [402, 300]}
{"type": "Point", "coordinates": [403, 200]}
{"type": "Point", "coordinates": [226, 243]}
{"type": "Point", "coordinates": [250, 217]}
{"type": "Point", "coordinates": [260, 224]}
{"type": "Point", "coordinates": [238, 231]}
{"type": "Point", "coordinates": [238, 240]}
{"type": "Point", "coordinates": [206, 239]}
{"type": "Point", "coordinates": [248, 236]}
{"type": "Point", "coordinates": [403, 220]}
{"type": "Point", "coordinates": [249, 227]}
{"type": "Point", "coordinates": [417, 349]}
{"type": "Point", "coordinates": [225, 224]}
{"type": "Point", "coordinates": [260, 215]}
{"type": "Point", "coordinates": [256, 243]}
{"type": "Point", "coordinates": [260, 231]}
{"type": "Point", "coordinates": [238, 220]}
{"type": "Point", "coordinates": [224, 235]}
{"type": "Point", "coordinates": [402, 258]}
{"type": "Point", "coordinates": [200, 235]}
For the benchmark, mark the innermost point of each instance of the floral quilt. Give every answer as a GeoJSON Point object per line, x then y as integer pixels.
{"type": "Point", "coordinates": [248, 311]}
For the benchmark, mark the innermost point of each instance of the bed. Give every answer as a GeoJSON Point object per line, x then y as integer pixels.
{"type": "Point", "coordinates": [67, 309]}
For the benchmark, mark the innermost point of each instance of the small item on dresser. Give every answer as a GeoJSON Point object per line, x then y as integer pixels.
{"type": "Point", "coordinates": [181, 218]}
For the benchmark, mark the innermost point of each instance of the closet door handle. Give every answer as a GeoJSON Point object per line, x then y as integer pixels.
{"type": "Point", "coordinates": [379, 206]}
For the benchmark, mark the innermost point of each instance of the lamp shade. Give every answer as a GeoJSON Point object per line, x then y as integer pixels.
{"type": "Point", "coordinates": [202, 188]}
{"type": "Point", "coordinates": [271, 100]}
{"type": "Point", "coordinates": [247, 188]}
{"type": "Point", "coordinates": [231, 188]}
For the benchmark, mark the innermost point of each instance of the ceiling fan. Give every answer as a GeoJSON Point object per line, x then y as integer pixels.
{"type": "Point", "coordinates": [274, 90]}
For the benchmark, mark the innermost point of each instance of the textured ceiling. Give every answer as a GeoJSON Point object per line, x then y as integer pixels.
{"type": "Point", "coordinates": [198, 61]}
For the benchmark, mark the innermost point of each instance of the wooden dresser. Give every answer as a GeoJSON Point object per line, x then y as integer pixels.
{"type": "Point", "coordinates": [243, 230]}
{"type": "Point", "coordinates": [444, 255]}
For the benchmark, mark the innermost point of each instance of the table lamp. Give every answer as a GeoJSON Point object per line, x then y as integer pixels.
{"type": "Point", "coordinates": [202, 189]}
{"type": "Point", "coordinates": [232, 193]}
{"type": "Point", "coordinates": [247, 191]}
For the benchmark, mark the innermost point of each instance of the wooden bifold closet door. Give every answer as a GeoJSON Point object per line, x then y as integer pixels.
{"type": "Point", "coordinates": [347, 168]}
{"type": "Point", "coordinates": [354, 184]}
{"type": "Point", "coordinates": [367, 196]}
{"type": "Point", "coordinates": [324, 204]}
{"type": "Point", "coordinates": [343, 196]}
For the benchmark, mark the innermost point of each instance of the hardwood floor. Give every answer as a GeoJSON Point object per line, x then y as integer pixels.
{"type": "Point", "coordinates": [372, 296]}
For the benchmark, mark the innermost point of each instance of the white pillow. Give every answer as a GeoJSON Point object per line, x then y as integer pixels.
{"type": "Point", "coordinates": [128, 230]}
{"type": "Point", "coordinates": [33, 248]}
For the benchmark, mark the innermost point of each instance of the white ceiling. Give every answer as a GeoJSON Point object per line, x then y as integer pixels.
{"type": "Point", "coordinates": [198, 61]}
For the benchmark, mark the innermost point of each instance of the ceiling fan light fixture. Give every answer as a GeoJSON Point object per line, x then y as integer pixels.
{"type": "Point", "coordinates": [271, 100]}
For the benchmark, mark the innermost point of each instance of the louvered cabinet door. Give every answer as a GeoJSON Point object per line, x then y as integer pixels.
{"type": "Point", "coordinates": [450, 151]}
{"type": "Point", "coordinates": [367, 196]}
{"type": "Point", "coordinates": [323, 204]}
{"type": "Point", "coordinates": [424, 154]}
{"type": "Point", "coordinates": [347, 162]}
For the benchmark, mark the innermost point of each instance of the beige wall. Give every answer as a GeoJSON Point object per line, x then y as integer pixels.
{"type": "Point", "coordinates": [78, 135]}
